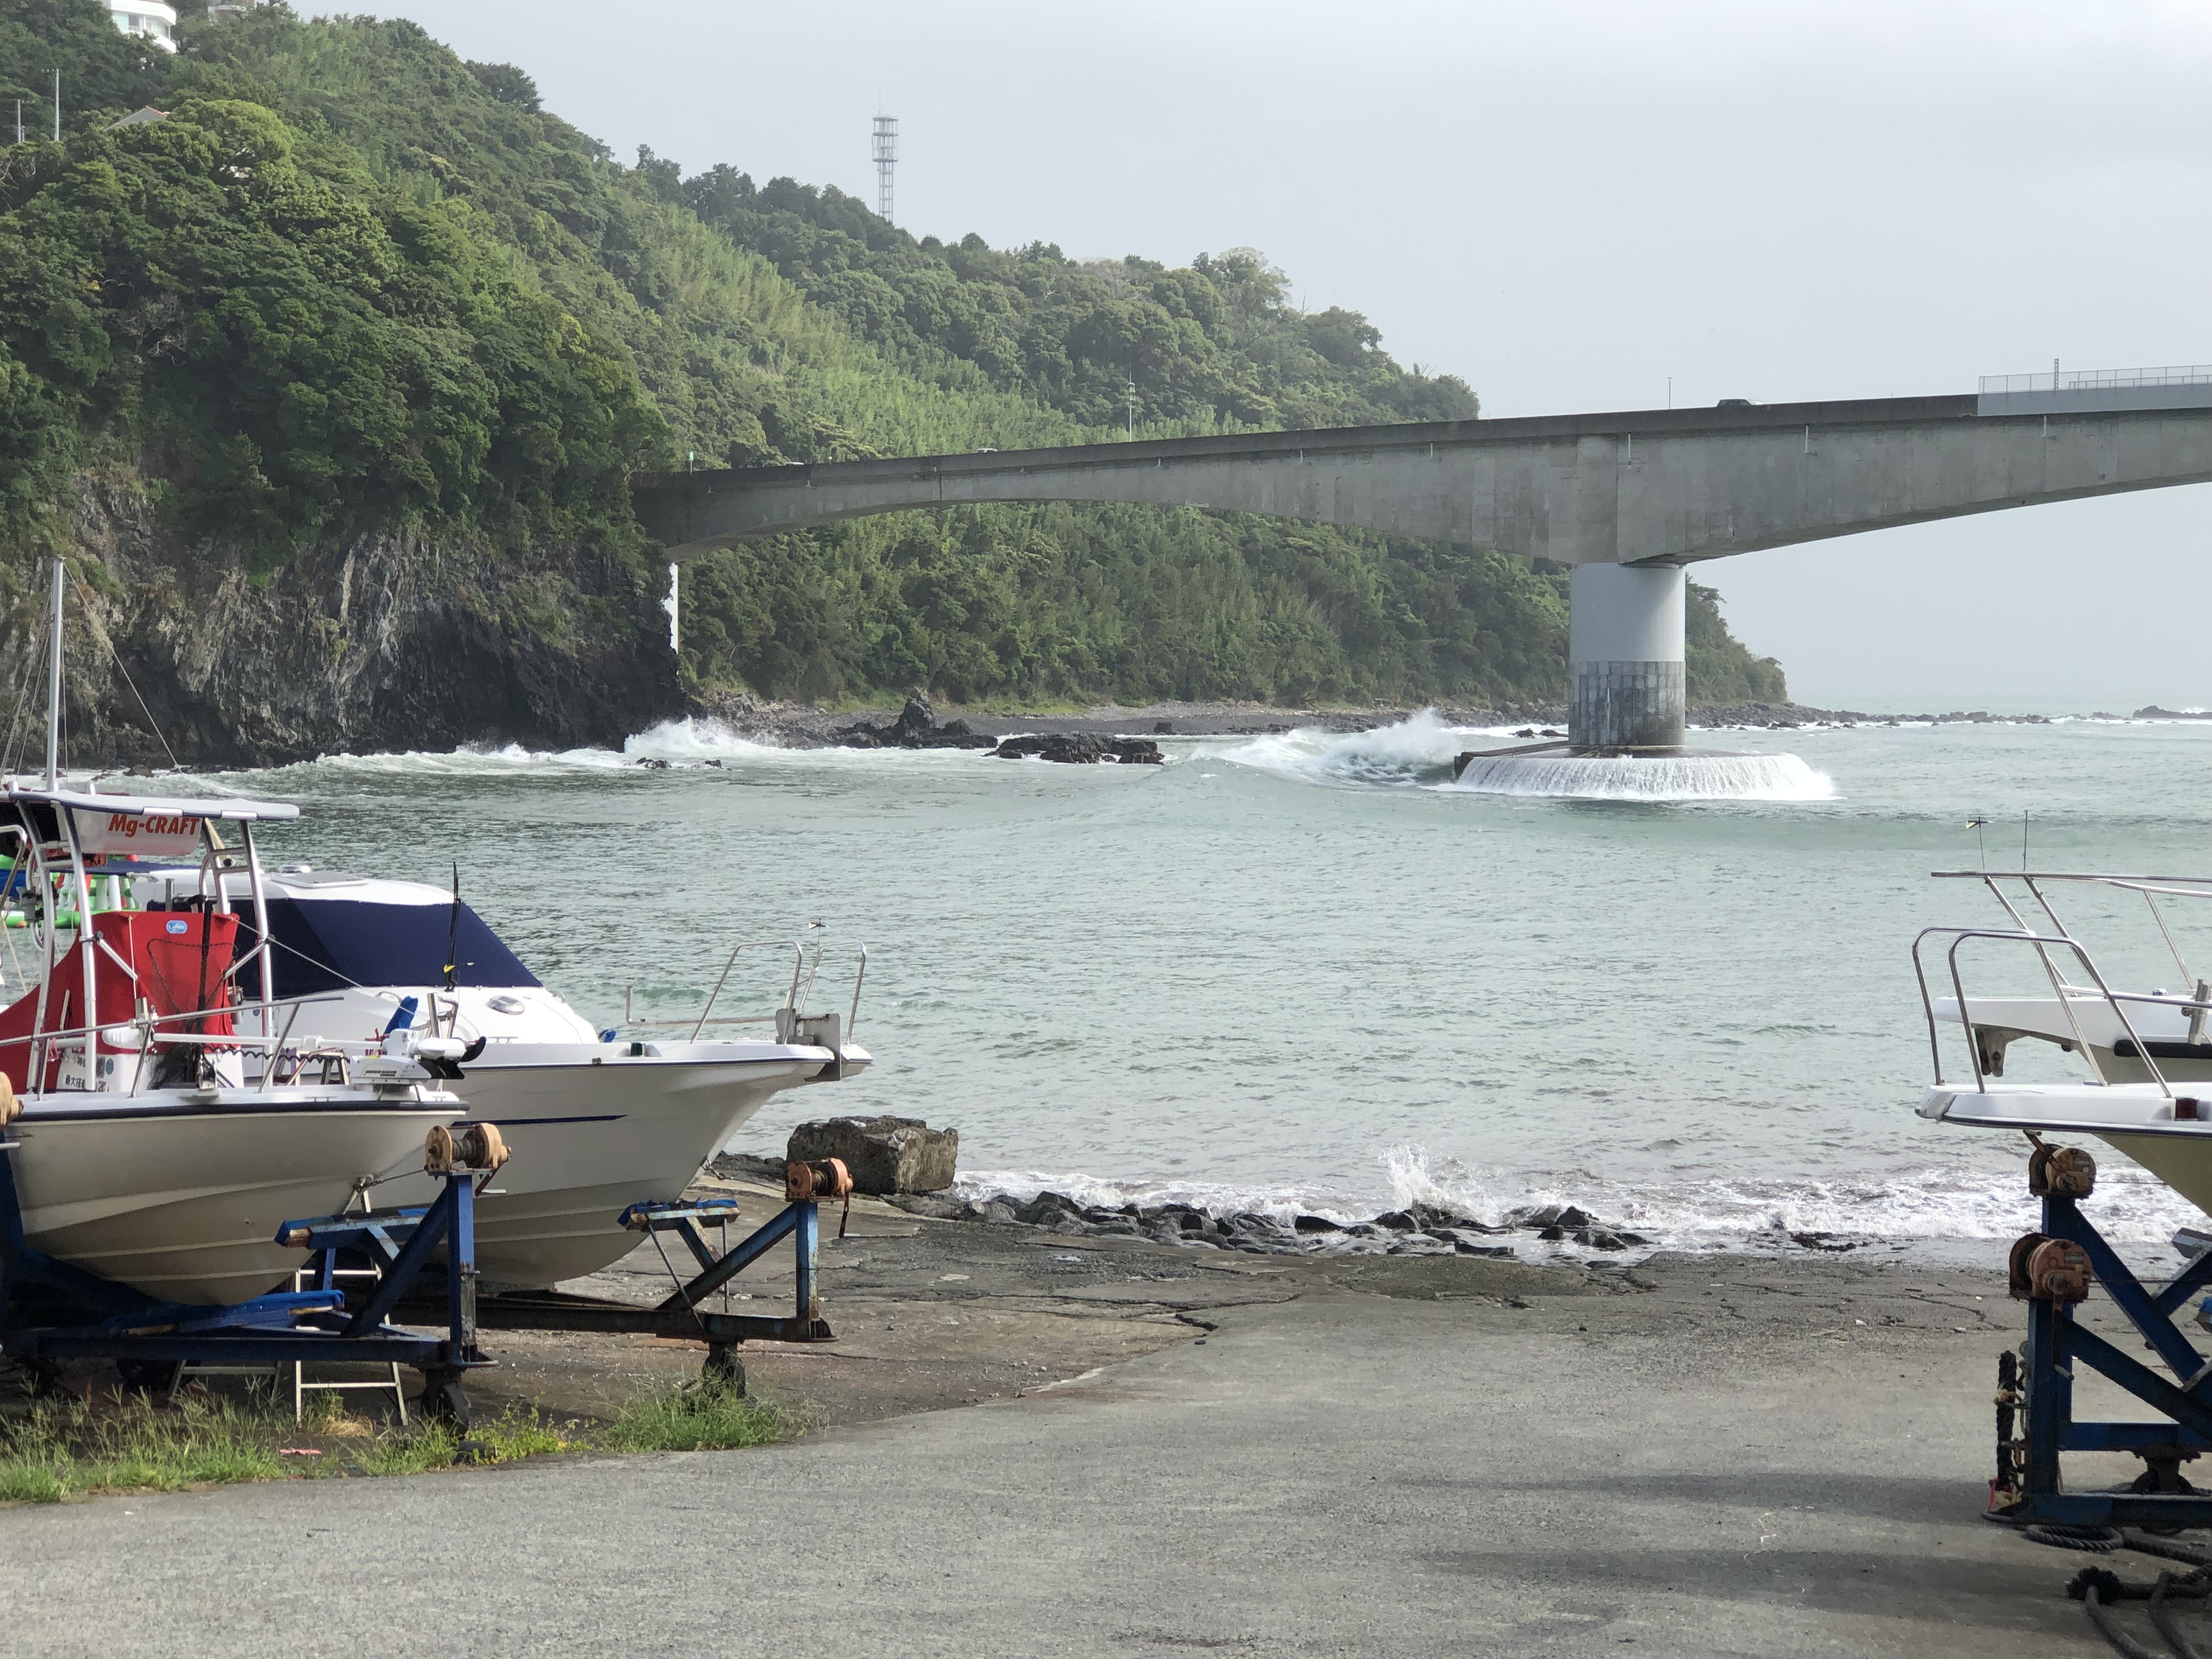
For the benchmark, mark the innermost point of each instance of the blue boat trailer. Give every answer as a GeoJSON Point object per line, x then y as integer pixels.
{"type": "Point", "coordinates": [2052, 1270]}
{"type": "Point", "coordinates": [683, 1315]}
{"type": "Point", "coordinates": [51, 1310]}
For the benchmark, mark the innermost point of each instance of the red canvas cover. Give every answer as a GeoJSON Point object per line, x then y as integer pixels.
{"type": "Point", "coordinates": [169, 968]}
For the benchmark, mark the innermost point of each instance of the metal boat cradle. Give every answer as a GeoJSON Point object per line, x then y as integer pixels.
{"type": "Point", "coordinates": [426, 1276]}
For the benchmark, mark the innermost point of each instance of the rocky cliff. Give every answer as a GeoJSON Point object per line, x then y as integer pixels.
{"type": "Point", "coordinates": [375, 643]}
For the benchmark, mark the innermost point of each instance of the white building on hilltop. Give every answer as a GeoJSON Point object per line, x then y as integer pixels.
{"type": "Point", "coordinates": [149, 19]}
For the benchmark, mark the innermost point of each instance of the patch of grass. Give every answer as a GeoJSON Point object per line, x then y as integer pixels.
{"type": "Point", "coordinates": [698, 1417]}
{"type": "Point", "coordinates": [66, 1447]}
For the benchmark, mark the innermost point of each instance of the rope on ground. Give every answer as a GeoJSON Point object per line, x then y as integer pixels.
{"type": "Point", "coordinates": [2093, 1587]}
{"type": "Point", "coordinates": [2182, 1646]}
{"type": "Point", "coordinates": [2096, 1540]}
{"type": "Point", "coordinates": [2167, 1547]}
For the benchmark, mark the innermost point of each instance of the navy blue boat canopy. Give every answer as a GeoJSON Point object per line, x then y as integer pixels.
{"type": "Point", "coordinates": [328, 944]}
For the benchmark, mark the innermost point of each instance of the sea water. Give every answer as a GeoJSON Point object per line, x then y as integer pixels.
{"type": "Point", "coordinates": [1311, 970]}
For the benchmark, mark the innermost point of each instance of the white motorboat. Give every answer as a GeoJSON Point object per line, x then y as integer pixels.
{"type": "Point", "coordinates": [2142, 1095]}
{"type": "Point", "coordinates": [609, 1118]}
{"type": "Point", "coordinates": [142, 1153]}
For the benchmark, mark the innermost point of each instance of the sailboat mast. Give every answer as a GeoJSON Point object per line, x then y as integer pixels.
{"type": "Point", "coordinates": [54, 687]}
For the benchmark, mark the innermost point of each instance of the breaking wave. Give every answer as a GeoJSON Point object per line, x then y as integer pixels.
{"type": "Point", "coordinates": [1418, 753]}
{"type": "Point", "coordinates": [1954, 1212]}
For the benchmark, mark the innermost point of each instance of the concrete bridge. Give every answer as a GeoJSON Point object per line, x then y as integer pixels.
{"type": "Point", "coordinates": [1628, 500]}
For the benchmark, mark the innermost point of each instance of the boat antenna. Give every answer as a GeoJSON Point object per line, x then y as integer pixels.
{"type": "Point", "coordinates": [54, 686]}
{"type": "Point", "coordinates": [1980, 840]}
{"type": "Point", "coordinates": [453, 927]}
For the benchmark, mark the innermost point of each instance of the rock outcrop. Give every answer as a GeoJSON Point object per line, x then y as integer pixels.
{"type": "Point", "coordinates": [916, 728]}
{"type": "Point", "coordinates": [885, 1155]}
{"type": "Point", "coordinates": [373, 642]}
{"type": "Point", "coordinates": [1082, 748]}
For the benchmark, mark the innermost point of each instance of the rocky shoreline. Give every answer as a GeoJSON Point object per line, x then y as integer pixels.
{"type": "Point", "coordinates": [1417, 1229]}
{"type": "Point", "coordinates": [801, 726]}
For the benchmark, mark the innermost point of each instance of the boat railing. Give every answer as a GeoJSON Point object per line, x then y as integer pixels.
{"type": "Point", "coordinates": [2152, 889]}
{"type": "Point", "coordinates": [148, 1026]}
{"type": "Point", "coordinates": [788, 1014]}
{"type": "Point", "coordinates": [2044, 944]}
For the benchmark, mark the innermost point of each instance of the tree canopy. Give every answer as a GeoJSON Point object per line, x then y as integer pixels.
{"type": "Point", "coordinates": [353, 283]}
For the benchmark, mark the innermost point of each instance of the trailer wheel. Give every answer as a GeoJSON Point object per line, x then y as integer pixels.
{"type": "Point", "coordinates": [444, 1400]}
{"type": "Point", "coordinates": [148, 1375]}
{"type": "Point", "coordinates": [723, 1370]}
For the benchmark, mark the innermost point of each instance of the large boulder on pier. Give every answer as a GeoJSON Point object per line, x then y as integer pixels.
{"type": "Point", "coordinates": [884, 1154]}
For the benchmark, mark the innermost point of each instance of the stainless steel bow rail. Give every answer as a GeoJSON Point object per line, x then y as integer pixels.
{"type": "Point", "coordinates": [2053, 1270]}
{"type": "Point", "coordinates": [51, 1310]}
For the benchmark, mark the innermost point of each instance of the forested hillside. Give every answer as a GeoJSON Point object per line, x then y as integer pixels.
{"type": "Point", "coordinates": [355, 294]}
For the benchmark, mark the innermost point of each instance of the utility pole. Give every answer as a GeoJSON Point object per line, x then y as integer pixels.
{"type": "Point", "coordinates": [1133, 408]}
{"type": "Point", "coordinates": [58, 106]}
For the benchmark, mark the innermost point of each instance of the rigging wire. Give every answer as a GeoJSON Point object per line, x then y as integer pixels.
{"type": "Point", "coordinates": [151, 724]}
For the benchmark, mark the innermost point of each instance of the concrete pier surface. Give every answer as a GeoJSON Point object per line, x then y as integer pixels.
{"type": "Point", "coordinates": [1378, 1456]}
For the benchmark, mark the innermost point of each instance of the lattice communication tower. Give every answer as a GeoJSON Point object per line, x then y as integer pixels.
{"type": "Point", "coordinates": [885, 145]}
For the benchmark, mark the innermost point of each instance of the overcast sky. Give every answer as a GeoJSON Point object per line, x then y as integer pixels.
{"type": "Point", "coordinates": [1566, 203]}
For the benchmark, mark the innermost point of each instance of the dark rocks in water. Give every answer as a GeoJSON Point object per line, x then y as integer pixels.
{"type": "Point", "coordinates": [1315, 1223]}
{"type": "Point", "coordinates": [1082, 748]}
{"type": "Point", "coordinates": [1828, 1242]}
{"type": "Point", "coordinates": [884, 1154]}
{"type": "Point", "coordinates": [1570, 1217]}
{"type": "Point", "coordinates": [1464, 1248]}
{"type": "Point", "coordinates": [1398, 1221]}
{"type": "Point", "coordinates": [916, 728]}
{"type": "Point", "coordinates": [1552, 1233]}
{"type": "Point", "coordinates": [653, 763]}
{"type": "Point", "coordinates": [1599, 1238]}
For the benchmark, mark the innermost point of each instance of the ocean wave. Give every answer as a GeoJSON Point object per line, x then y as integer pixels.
{"type": "Point", "coordinates": [1418, 753]}
{"type": "Point", "coordinates": [1923, 1211]}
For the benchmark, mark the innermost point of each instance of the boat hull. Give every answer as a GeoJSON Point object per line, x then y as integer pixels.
{"type": "Point", "coordinates": [184, 1204]}
{"type": "Point", "coordinates": [589, 1139]}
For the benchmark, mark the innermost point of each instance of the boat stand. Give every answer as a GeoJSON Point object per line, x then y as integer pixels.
{"type": "Point", "coordinates": [51, 1311]}
{"type": "Point", "coordinates": [2051, 1270]}
{"type": "Point", "coordinates": [682, 1317]}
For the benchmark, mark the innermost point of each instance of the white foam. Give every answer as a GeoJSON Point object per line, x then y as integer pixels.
{"type": "Point", "coordinates": [1930, 1211]}
{"type": "Point", "coordinates": [1418, 752]}
{"type": "Point", "coordinates": [1663, 777]}
{"type": "Point", "coordinates": [1916, 1209]}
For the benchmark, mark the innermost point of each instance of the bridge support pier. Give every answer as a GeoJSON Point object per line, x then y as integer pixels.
{"type": "Point", "coordinates": [1624, 657]}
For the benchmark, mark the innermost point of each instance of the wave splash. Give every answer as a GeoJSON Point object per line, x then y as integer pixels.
{"type": "Point", "coordinates": [1418, 752]}
{"type": "Point", "coordinates": [1941, 1213]}
{"type": "Point", "coordinates": [1659, 777]}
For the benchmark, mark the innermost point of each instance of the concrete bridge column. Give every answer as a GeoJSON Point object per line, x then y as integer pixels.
{"type": "Point", "coordinates": [1624, 657]}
